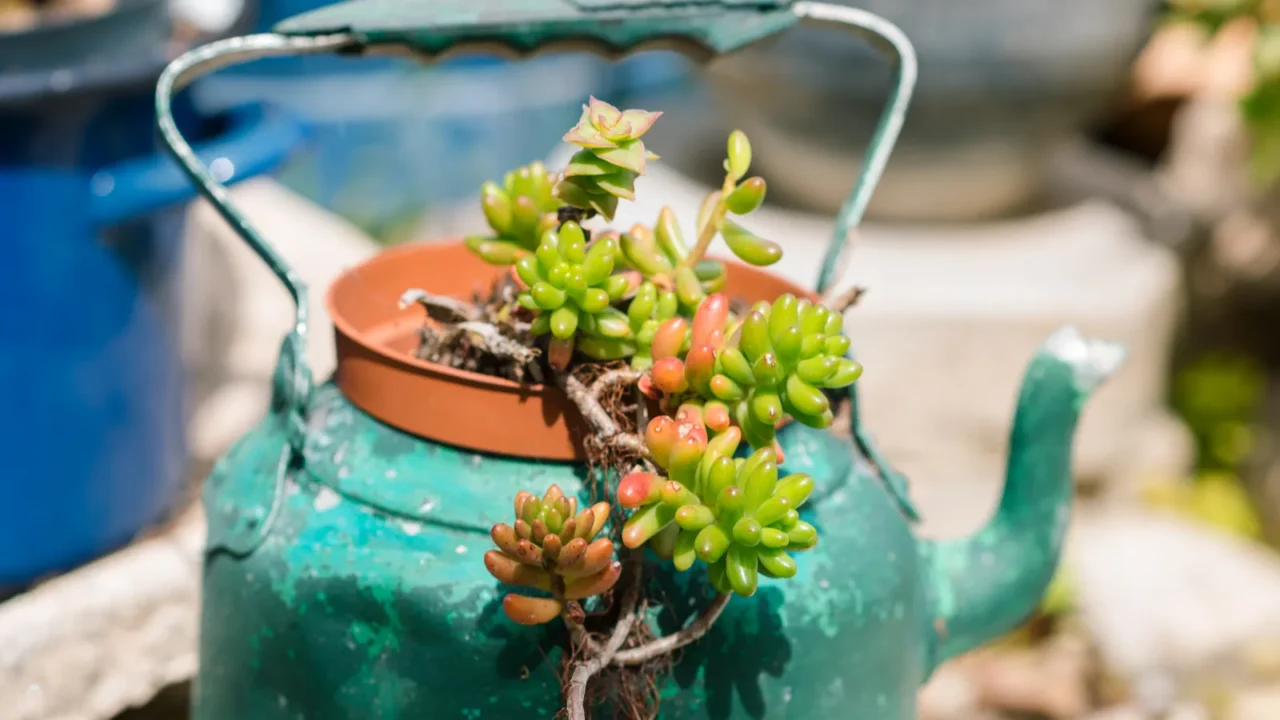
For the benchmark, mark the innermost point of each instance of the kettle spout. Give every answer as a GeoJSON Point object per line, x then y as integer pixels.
{"type": "Point", "coordinates": [983, 586]}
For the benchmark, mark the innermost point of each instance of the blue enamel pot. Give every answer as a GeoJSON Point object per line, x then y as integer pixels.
{"type": "Point", "coordinates": [91, 221]}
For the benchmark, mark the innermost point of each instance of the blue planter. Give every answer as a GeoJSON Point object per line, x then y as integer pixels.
{"type": "Point", "coordinates": [91, 213]}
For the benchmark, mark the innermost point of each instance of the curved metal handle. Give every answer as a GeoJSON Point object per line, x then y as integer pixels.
{"type": "Point", "coordinates": [293, 382]}
{"type": "Point", "coordinates": [886, 35]}
{"type": "Point", "coordinates": [699, 27]}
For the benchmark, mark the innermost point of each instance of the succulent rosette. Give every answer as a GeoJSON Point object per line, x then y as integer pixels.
{"type": "Point", "coordinates": [734, 514]}
{"type": "Point", "coordinates": [553, 548]}
{"type": "Point", "coordinates": [611, 158]}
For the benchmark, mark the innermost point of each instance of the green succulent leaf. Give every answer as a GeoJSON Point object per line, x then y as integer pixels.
{"type": "Point", "coordinates": [749, 248]}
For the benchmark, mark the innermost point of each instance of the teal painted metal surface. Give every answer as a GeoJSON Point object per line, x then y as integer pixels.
{"type": "Point", "coordinates": [344, 576]}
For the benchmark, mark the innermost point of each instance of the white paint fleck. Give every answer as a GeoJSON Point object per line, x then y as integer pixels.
{"type": "Point", "coordinates": [427, 506]}
{"type": "Point", "coordinates": [326, 499]}
{"type": "Point", "coordinates": [411, 528]}
{"type": "Point", "coordinates": [824, 583]}
{"type": "Point", "coordinates": [390, 474]}
{"type": "Point", "coordinates": [222, 169]}
{"type": "Point", "coordinates": [460, 549]}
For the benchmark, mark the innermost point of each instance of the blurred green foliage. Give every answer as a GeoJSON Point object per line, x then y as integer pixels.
{"type": "Point", "coordinates": [1219, 396]}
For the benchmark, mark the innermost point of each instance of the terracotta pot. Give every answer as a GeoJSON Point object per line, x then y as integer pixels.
{"type": "Point", "coordinates": [378, 373]}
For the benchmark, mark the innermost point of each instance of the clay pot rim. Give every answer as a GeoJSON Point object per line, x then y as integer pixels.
{"type": "Point", "coordinates": [466, 376]}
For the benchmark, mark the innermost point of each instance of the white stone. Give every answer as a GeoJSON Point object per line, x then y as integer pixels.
{"type": "Point", "coordinates": [106, 637]}
{"type": "Point", "coordinates": [1161, 594]}
{"type": "Point", "coordinates": [1257, 704]}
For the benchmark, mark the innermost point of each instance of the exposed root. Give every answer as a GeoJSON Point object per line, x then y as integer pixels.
{"type": "Point", "coordinates": [608, 434]}
{"type": "Point", "coordinates": [495, 343]}
{"type": "Point", "coordinates": [670, 643]}
{"type": "Point", "coordinates": [584, 670]}
{"type": "Point", "coordinates": [611, 378]}
{"type": "Point", "coordinates": [490, 336]}
{"type": "Point", "coordinates": [441, 308]}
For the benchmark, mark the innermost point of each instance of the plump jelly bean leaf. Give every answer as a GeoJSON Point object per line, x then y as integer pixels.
{"type": "Point", "coordinates": [738, 155]}
{"type": "Point", "coordinates": [749, 248]}
{"type": "Point", "coordinates": [564, 322]}
{"type": "Point", "coordinates": [747, 197]}
{"type": "Point", "coordinates": [530, 611]}
{"type": "Point", "coordinates": [668, 236]}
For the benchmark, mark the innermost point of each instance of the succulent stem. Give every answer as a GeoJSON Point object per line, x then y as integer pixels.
{"type": "Point", "coordinates": [579, 637]}
{"type": "Point", "coordinates": [584, 670]}
{"type": "Point", "coordinates": [588, 402]}
{"type": "Point", "coordinates": [675, 641]}
{"type": "Point", "coordinates": [708, 231]}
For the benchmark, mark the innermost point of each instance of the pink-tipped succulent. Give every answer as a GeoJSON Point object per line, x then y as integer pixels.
{"type": "Point", "coordinates": [755, 372]}
{"type": "Point", "coordinates": [553, 548]}
{"type": "Point", "coordinates": [684, 353]}
{"type": "Point", "coordinates": [734, 514]}
{"type": "Point", "coordinates": [612, 156]}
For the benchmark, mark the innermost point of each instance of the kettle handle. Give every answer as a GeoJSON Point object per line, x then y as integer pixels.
{"type": "Point", "coordinates": [698, 28]}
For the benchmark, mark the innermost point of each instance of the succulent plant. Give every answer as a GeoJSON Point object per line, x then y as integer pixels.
{"type": "Point", "coordinates": [611, 158]}
{"type": "Point", "coordinates": [519, 212]}
{"type": "Point", "coordinates": [776, 360]}
{"type": "Point", "coordinates": [553, 548]}
{"type": "Point", "coordinates": [738, 197]}
{"type": "Point", "coordinates": [571, 285]}
{"type": "Point", "coordinates": [786, 351]}
{"type": "Point", "coordinates": [734, 514]}
{"type": "Point", "coordinates": [646, 313]}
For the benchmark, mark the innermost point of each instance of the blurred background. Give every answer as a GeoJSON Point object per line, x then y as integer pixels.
{"type": "Point", "coordinates": [1113, 164]}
